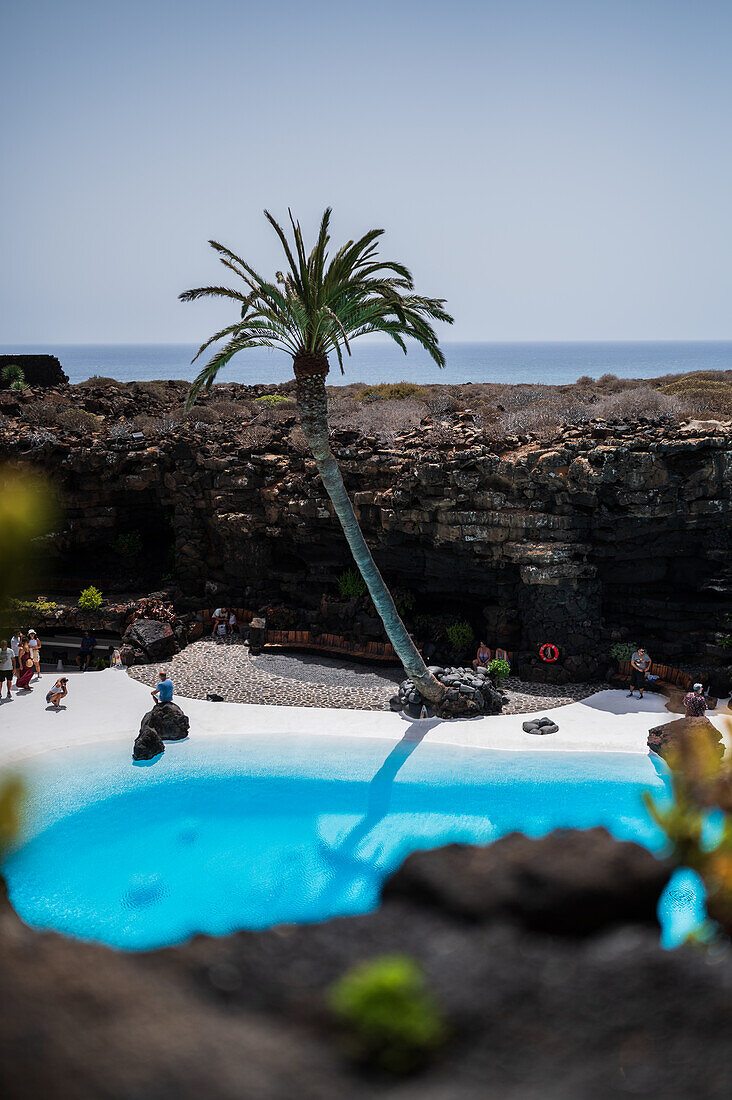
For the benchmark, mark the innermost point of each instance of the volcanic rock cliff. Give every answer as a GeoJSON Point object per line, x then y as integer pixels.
{"type": "Point", "coordinates": [611, 530]}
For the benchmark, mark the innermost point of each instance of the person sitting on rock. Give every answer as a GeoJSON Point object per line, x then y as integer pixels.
{"type": "Point", "coordinates": [695, 702]}
{"type": "Point", "coordinates": [163, 693]}
{"type": "Point", "coordinates": [502, 655]}
{"type": "Point", "coordinates": [86, 650]}
{"type": "Point", "coordinates": [219, 616]}
{"type": "Point", "coordinates": [58, 692]}
{"type": "Point", "coordinates": [483, 658]}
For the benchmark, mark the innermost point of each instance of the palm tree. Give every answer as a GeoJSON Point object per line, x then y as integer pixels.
{"type": "Point", "coordinates": [316, 308]}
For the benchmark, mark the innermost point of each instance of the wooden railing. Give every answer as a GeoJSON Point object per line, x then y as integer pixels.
{"type": "Point", "coordinates": [330, 643]}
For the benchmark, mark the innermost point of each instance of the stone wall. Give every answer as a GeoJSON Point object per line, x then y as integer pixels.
{"type": "Point", "coordinates": [615, 531]}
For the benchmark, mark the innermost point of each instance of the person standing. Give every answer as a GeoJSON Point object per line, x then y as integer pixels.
{"type": "Point", "coordinates": [34, 645]}
{"type": "Point", "coordinates": [163, 693]}
{"type": "Point", "coordinates": [15, 643]}
{"type": "Point", "coordinates": [7, 662]}
{"type": "Point", "coordinates": [695, 702]}
{"type": "Point", "coordinates": [640, 662]}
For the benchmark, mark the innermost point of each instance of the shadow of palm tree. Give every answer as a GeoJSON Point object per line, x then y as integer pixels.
{"type": "Point", "coordinates": [342, 858]}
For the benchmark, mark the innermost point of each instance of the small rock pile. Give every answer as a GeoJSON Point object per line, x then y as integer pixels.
{"type": "Point", "coordinates": [468, 693]}
{"type": "Point", "coordinates": [540, 726]}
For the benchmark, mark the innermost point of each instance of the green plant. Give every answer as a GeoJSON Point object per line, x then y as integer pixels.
{"type": "Point", "coordinates": [460, 634]}
{"type": "Point", "coordinates": [270, 400]}
{"type": "Point", "coordinates": [701, 785]}
{"type": "Point", "coordinates": [13, 376]}
{"type": "Point", "coordinates": [351, 584]}
{"type": "Point", "coordinates": [391, 391]}
{"type": "Point", "coordinates": [499, 668]}
{"type": "Point", "coordinates": [316, 305]}
{"type": "Point", "coordinates": [404, 600]}
{"type": "Point", "coordinates": [90, 599]}
{"type": "Point", "coordinates": [100, 663]}
{"type": "Point", "coordinates": [390, 1015]}
{"type": "Point", "coordinates": [128, 545]}
{"type": "Point", "coordinates": [40, 608]}
{"type": "Point", "coordinates": [622, 651]}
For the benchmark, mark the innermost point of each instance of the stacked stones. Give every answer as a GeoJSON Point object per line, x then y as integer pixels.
{"type": "Point", "coordinates": [540, 726]}
{"type": "Point", "coordinates": [468, 693]}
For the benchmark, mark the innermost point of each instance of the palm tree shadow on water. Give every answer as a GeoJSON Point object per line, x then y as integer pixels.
{"type": "Point", "coordinates": [341, 859]}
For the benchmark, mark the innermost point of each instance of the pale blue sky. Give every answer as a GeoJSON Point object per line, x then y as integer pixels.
{"type": "Point", "coordinates": [557, 169]}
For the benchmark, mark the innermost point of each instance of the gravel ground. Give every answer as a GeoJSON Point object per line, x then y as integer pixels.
{"type": "Point", "coordinates": [305, 680]}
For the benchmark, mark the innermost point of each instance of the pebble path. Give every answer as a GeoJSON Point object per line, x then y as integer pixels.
{"type": "Point", "coordinates": [225, 667]}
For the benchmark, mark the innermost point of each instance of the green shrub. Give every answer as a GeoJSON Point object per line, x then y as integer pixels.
{"type": "Point", "coordinates": [13, 376]}
{"type": "Point", "coordinates": [100, 663]}
{"type": "Point", "coordinates": [392, 1019]}
{"type": "Point", "coordinates": [391, 391]}
{"type": "Point", "coordinates": [128, 545]}
{"type": "Point", "coordinates": [40, 608]}
{"type": "Point", "coordinates": [270, 400]}
{"type": "Point", "coordinates": [351, 584]}
{"type": "Point", "coordinates": [460, 634]}
{"type": "Point", "coordinates": [404, 600]}
{"type": "Point", "coordinates": [623, 651]}
{"type": "Point", "coordinates": [499, 668]}
{"type": "Point", "coordinates": [90, 599]}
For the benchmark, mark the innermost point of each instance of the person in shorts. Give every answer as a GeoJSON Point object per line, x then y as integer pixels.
{"type": "Point", "coordinates": [34, 645]}
{"type": "Point", "coordinates": [163, 693]}
{"type": "Point", "coordinates": [86, 650]}
{"type": "Point", "coordinates": [7, 663]}
{"type": "Point", "coordinates": [640, 662]}
{"type": "Point", "coordinates": [58, 692]}
{"type": "Point", "coordinates": [218, 617]}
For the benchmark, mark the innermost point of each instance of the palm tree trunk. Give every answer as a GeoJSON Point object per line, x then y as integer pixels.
{"type": "Point", "coordinates": [310, 372]}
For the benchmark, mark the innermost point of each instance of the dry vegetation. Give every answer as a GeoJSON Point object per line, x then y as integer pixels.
{"type": "Point", "coordinates": [255, 416]}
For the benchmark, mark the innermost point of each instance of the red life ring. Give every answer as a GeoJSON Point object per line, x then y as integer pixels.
{"type": "Point", "coordinates": [549, 652]}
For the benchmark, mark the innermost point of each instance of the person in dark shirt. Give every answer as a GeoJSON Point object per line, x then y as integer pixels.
{"type": "Point", "coordinates": [88, 643]}
{"type": "Point", "coordinates": [695, 702]}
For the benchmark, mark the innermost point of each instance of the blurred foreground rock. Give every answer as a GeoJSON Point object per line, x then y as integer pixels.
{"type": "Point", "coordinates": [531, 1015]}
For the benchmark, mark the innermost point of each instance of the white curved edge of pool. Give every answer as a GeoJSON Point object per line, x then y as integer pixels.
{"type": "Point", "coordinates": [108, 706]}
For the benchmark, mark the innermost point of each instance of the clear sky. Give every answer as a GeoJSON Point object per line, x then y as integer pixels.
{"type": "Point", "coordinates": [557, 169]}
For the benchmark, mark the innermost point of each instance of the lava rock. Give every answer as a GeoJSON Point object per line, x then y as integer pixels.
{"type": "Point", "coordinates": [157, 640]}
{"type": "Point", "coordinates": [571, 882]}
{"type": "Point", "coordinates": [148, 744]}
{"type": "Point", "coordinates": [670, 735]}
{"type": "Point", "coordinates": [212, 698]}
{"type": "Point", "coordinates": [540, 726]}
{"type": "Point", "coordinates": [169, 720]}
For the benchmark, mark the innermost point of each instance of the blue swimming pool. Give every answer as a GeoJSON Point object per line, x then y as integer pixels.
{"type": "Point", "coordinates": [234, 833]}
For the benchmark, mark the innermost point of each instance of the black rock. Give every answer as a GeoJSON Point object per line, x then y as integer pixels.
{"type": "Point", "coordinates": [169, 720]}
{"type": "Point", "coordinates": [663, 738]}
{"type": "Point", "coordinates": [148, 744]}
{"type": "Point", "coordinates": [211, 698]}
{"type": "Point", "coordinates": [157, 640]}
{"type": "Point", "coordinates": [570, 882]}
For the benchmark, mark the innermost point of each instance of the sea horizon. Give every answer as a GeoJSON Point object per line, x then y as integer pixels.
{"type": "Point", "coordinates": [551, 362]}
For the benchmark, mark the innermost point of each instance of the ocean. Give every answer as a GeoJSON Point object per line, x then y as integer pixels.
{"type": "Point", "coordinates": [372, 362]}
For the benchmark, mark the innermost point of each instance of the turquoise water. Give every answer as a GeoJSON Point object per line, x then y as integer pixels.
{"type": "Point", "coordinates": [248, 833]}
{"type": "Point", "coordinates": [378, 361]}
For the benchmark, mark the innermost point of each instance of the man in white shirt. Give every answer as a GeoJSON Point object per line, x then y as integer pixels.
{"type": "Point", "coordinates": [15, 641]}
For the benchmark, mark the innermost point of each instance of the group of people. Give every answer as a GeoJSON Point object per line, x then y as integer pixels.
{"type": "Point", "coordinates": [485, 655]}
{"type": "Point", "coordinates": [695, 701]}
{"type": "Point", "coordinates": [22, 660]}
{"type": "Point", "coordinates": [224, 622]}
